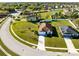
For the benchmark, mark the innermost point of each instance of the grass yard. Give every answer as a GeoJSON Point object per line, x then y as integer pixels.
{"type": "Point", "coordinates": [75, 21]}
{"type": "Point", "coordinates": [61, 23]}
{"type": "Point", "coordinates": [26, 30]}
{"type": "Point", "coordinates": [21, 40]}
{"type": "Point", "coordinates": [3, 11]}
{"type": "Point", "coordinates": [57, 11]}
{"type": "Point", "coordinates": [76, 43]}
{"type": "Point", "coordinates": [57, 41]}
{"type": "Point", "coordinates": [2, 53]}
{"type": "Point", "coordinates": [46, 15]}
{"type": "Point", "coordinates": [56, 50]}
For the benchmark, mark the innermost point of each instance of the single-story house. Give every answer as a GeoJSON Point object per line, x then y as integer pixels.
{"type": "Point", "coordinates": [45, 29]}
{"type": "Point", "coordinates": [31, 18]}
{"type": "Point", "coordinates": [49, 20]}
{"type": "Point", "coordinates": [68, 31]}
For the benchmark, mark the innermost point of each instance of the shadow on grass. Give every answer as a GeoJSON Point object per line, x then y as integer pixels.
{"type": "Point", "coordinates": [55, 34]}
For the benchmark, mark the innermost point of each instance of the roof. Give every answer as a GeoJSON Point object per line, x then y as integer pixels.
{"type": "Point", "coordinates": [68, 30]}
{"type": "Point", "coordinates": [44, 27]}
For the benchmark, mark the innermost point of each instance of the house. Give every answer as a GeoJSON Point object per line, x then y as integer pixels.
{"type": "Point", "coordinates": [68, 31]}
{"type": "Point", "coordinates": [31, 18]}
{"type": "Point", "coordinates": [45, 29]}
{"type": "Point", "coordinates": [47, 21]}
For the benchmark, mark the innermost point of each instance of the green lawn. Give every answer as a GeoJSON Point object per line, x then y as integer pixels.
{"type": "Point", "coordinates": [46, 15]}
{"type": "Point", "coordinates": [56, 50]}
{"type": "Point", "coordinates": [57, 41]}
{"type": "Point", "coordinates": [21, 40]}
{"type": "Point", "coordinates": [61, 23]}
{"type": "Point", "coordinates": [76, 43]}
{"type": "Point", "coordinates": [2, 53]}
{"type": "Point", "coordinates": [75, 21]}
{"type": "Point", "coordinates": [57, 11]}
{"type": "Point", "coordinates": [26, 30]}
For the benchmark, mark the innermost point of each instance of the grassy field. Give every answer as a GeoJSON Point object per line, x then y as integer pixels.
{"type": "Point", "coordinates": [26, 30]}
{"type": "Point", "coordinates": [61, 23]}
{"type": "Point", "coordinates": [57, 11]}
{"type": "Point", "coordinates": [2, 53]}
{"type": "Point", "coordinates": [23, 42]}
{"type": "Point", "coordinates": [55, 42]}
{"type": "Point", "coordinates": [46, 15]}
{"type": "Point", "coordinates": [76, 43]}
{"type": "Point", "coordinates": [75, 21]}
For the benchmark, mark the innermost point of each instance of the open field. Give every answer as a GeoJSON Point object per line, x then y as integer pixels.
{"type": "Point", "coordinates": [26, 30]}
{"type": "Point", "coordinates": [46, 15]}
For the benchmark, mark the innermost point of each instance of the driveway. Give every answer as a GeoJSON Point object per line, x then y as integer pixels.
{"type": "Point", "coordinates": [70, 46]}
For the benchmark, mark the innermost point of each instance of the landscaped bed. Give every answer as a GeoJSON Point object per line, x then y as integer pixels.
{"type": "Point", "coordinates": [26, 30]}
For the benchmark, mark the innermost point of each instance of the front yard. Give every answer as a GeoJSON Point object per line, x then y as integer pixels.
{"type": "Point", "coordinates": [26, 30]}
{"type": "Point", "coordinates": [75, 43]}
{"type": "Point", "coordinates": [57, 41]}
